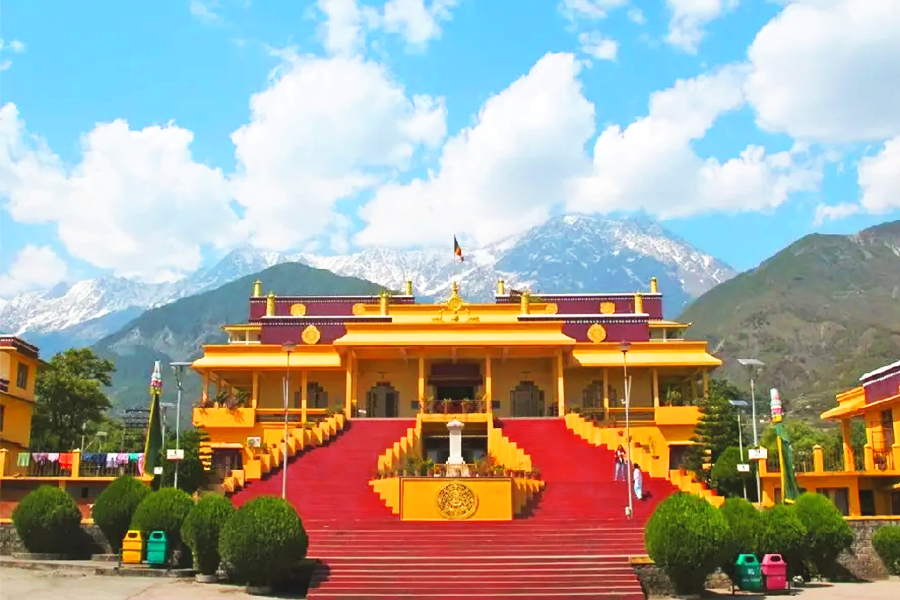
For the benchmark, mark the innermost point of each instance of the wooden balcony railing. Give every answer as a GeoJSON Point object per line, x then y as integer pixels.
{"type": "Point", "coordinates": [447, 407]}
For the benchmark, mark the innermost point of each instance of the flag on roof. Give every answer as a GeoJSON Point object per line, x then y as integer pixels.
{"type": "Point", "coordinates": [457, 251]}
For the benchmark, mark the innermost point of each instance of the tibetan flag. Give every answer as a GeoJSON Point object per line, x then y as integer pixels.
{"type": "Point", "coordinates": [154, 444]}
{"type": "Point", "coordinates": [457, 251]}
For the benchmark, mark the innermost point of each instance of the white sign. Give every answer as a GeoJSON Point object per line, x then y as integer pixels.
{"type": "Point", "coordinates": [254, 442]}
{"type": "Point", "coordinates": [175, 454]}
{"type": "Point", "coordinates": [743, 468]}
{"type": "Point", "coordinates": [157, 470]}
{"type": "Point", "coordinates": [758, 453]}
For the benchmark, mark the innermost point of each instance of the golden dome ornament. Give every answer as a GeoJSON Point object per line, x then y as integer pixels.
{"type": "Point", "coordinates": [552, 308]}
{"type": "Point", "coordinates": [607, 308]}
{"type": "Point", "coordinates": [311, 335]}
{"type": "Point", "coordinates": [596, 333]}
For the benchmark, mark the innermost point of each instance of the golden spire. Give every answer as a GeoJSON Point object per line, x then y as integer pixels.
{"type": "Point", "coordinates": [257, 288]}
{"type": "Point", "coordinates": [409, 287]}
{"type": "Point", "coordinates": [525, 301]}
{"type": "Point", "coordinates": [638, 304]}
{"type": "Point", "coordinates": [270, 304]}
{"type": "Point", "coordinates": [654, 285]}
{"type": "Point", "coordinates": [501, 287]}
{"type": "Point", "coordinates": [383, 302]}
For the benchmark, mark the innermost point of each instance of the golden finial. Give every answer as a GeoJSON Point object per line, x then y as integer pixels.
{"type": "Point", "coordinates": [383, 302]}
{"type": "Point", "coordinates": [654, 285]}
{"type": "Point", "coordinates": [270, 304]}
{"type": "Point", "coordinates": [638, 304]}
{"type": "Point", "coordinates": [409, 287]}
{"type": "Point", "coordinates": [257, 288]}
{"type": "Point", "coordinates": [501, 287]}
{"type": "Point", "coordinates": [525, 301]}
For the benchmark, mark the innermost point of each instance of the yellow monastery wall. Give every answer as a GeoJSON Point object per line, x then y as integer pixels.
{"type": "Point", "coordinates": [402, 375]}
{"type": "Point", "coordinates": [506, 376]}
{"type": "Point", "coordinates": [333, 382]}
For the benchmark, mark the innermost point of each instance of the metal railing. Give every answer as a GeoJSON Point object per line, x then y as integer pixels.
{"type": "Point", "coordinates": [883, 460]}
{"type": "Point", "coordinates": [93, 469]}
{"type": "Point", "coordinates": [47, 468]}
{"type": "Point", "coordinates": [833, 459]}
{"type": "Point", "coordinates": [447, 407]}
{"type": "Point", "coordinates": [466, 470]}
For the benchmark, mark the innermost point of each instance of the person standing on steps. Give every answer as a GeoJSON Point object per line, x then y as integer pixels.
{"type": "Point", "coordinates": [620, 464]}
{"type": "Point", "coordinates": [638, 478]}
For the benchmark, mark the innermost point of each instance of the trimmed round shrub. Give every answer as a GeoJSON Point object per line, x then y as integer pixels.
{"type": "Point", "coordinates": [263, 542]}
{"type": "Point", "coordinates": [828, 534]}
{"type": "Point", "coordinates": [782, 532]}
{"type": "Point", "coordinates": [48, 521]}
{"type": "Point", "coordinates": [201, 531]}
{"type": "Point", "coordinates": [164, 510]}
{"type": "Point", "coordinates": [687, 538]}
{"type": "Point", "coordinates": [115, 507]}
{"type": "Point", "coordinates": [886, 543]}
{"type": "Point", "coordinates": [743, 524]}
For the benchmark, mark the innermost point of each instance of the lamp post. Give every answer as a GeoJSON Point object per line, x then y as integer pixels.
{"type": "Point", "coordinates": [738, 404]}
{"type": "Point", "coordinates": [288, 347]}
{"type": "Point", "coordinates": [624, 347]}
{"type": "Point", "coordinates": [163, 406]}
{"type": "Point", "coordinates": [751, 364]}
{"type": "Point", "coordinates": [178, 370]}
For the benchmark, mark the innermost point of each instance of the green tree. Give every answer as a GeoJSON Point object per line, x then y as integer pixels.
{"type": "Point", "coordinates": [726, 478]}
{"type": "Point", "coordinates": [70, 395]}
{"type": "Point", "coordinates": [717, 429]}
{"type": "Point", "coordinates": [191, 476]}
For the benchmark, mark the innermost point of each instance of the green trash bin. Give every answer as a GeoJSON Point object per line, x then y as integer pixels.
{"type": "Point", "coordinates": [748, 574]}
{"type": "Point", "coordinates": [157, 549]}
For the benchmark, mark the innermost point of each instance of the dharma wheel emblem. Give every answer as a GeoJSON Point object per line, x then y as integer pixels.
{"type": "Point", "coordinates": [311, 335]}
{"type": "Point", "coordinates": [551, 308]}
{"type": "Point", "coordinates": [359, 309]}
{"type": "Point", "coordinates": [456, 501]}
{"type": "Point", "coordinates": [596, 333]}
{"type": "Point", "coordinates": [607, 308]}
{"type": "Point", "coordinates": [298, 310]}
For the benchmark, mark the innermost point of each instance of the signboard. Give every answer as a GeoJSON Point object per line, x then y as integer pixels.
{"type": "Point", "coordinates": [743, 468]}
{"type": "Point", "coordinates": [758, 453]}
{"type": "Point", "coordinates": [137, 418]}
{"type": "Point", "coordinates": [157, 470]}
{"type": "Point", "coordinates": [175, 454]}
{"type": "Point", "coordinates": [254, 442]}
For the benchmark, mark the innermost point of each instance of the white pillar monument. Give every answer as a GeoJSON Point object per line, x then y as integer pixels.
{"type": "Point", "coordinates": [456, 466]}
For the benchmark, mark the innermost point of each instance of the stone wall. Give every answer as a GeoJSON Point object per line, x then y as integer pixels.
{"type": "Point", "coordinates": [93, 541]}
{"type": "Point", "coordinates": [863, 562]}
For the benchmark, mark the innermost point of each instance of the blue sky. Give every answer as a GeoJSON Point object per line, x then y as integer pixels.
{"type": "Point", "coordinates": [129, 141]}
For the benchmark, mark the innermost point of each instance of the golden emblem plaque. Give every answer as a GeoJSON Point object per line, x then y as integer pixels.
{"type": "Point", "coordinates": [607, 308]}
{"type": "Point", "coordinates": [359, 309]}
{"type": "Point", "coordinates": [551, 308]}
{"type": "Point", "coordinates": [298, 310]}
{"type": "Point", "coordinates": [456, 501]}
{"type": "Point", "coordinates": [311, 335]}
{"type": "Point", "coordinates": [596, 333]}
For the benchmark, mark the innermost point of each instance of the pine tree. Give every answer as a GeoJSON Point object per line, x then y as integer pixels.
{"type": "Point", "coordinates": [717, 429]}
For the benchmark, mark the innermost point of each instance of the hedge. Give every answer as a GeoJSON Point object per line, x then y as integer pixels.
{"type": "Point", "coordinates": [48, 521]}
{"type": "Point", "coordinates": [782, 532]}
{"type": "Point", "coordinates": [743, 525]}
{"type": "Point", "coordinates": [886, 543]}
{"type": "Point", "coordinates": [164, 510]}
{"type": "Point", "coordinates": [828, 534]}
{"type": "Point", "coordinates": [687, 538]}
{"type": "Point", "coordinates": [115, 507]}
{"type": "Point", "coordinates": [201, 531]}
{"type": "Point", "coordinates": [263, 542]}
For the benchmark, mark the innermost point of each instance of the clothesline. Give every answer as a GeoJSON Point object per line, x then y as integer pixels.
{"type": "Point", "coordinates": [109, 460]}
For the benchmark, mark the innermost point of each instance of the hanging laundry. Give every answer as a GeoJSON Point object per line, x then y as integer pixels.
{"type": "Point", "coordinates": [134, 456]}
{"type": "Point", "coordinates": [111, 459]}
{"type": "Point", "coordinates": [53, 457]}
{"type": "Point", "coordinates": [65, 460]}
{"type": "Point", "coordinates": [24, 459]}
{"type": "Point", "coordinates": [122, 459]}
{"type": "Point", "coordinates": [140, 464]}
{"type": "Point", "coordinates": [40, 457]}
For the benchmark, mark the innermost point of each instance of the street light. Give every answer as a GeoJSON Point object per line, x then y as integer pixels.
{"type": "Point", "coordinates": [288, 347]}
{"type": "Point", "coordinates": [178, 370]}
{"type": "Point", "coordinates": [751, 364]}
{"type": "Point", "coordinates": [624, 347]}
{"type": "Point", "coordinates": [738, 404]}
{"type": "Point", "coordinates": [163, 406]}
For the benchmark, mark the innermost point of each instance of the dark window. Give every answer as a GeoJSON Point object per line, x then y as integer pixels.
{"type": "Point", "coordinates": [22, 376]}
{"type": "Point", "coordinates": [2, 415]}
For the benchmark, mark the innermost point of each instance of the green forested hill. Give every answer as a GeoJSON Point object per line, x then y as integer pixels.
{"type": "Point", "coordinates": [176, 331]}
{"type": "Point", "coordinates": [820, 313]}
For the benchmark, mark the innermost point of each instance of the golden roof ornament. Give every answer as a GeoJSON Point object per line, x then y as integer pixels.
{"type": "Point", "coordinates": [607, 308]}
{"type": "Point", "coordinates": [257, 288]}
{"type": "Point", "coordinates": [654, 285]}
{"type": "Point", "coordinates": [270, 304]}
{"type": "Point", "coordinates": [596, 333]}
{"type": "Point", "coordinates": [456, 307]}
{"type": "Point", "coordinates": [311, 335]}
{"type": "Point", "coordinates": [298, 310]}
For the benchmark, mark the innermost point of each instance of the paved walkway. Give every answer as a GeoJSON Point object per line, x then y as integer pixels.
{"type": "Point", "coordinates": [65, 585]}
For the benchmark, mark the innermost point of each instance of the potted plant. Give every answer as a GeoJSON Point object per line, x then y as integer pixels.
{"type": "Point", "coordinates": [536, 474]}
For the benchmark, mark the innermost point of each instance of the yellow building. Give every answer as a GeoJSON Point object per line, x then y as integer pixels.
{"type": "Point", "coordinates": [18, 372]}
{"type": "Point", "coordinates": [391, 357]}
{"type": "Point", "coordinates": [867, 485]}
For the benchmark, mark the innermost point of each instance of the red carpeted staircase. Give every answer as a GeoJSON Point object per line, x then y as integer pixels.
{"type": "Point", "coordinates": [574, 543]}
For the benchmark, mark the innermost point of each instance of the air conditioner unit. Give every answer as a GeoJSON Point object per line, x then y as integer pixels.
{"type": "Point", "coordinates": [254, 442]}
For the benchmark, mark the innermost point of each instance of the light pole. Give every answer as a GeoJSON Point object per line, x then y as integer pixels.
{"type": "Point", "coordinates": [624, 347]}
{"type": "Point", "coordinates": [288, 347]}
{"type": "Point", "coordinates": [738, 404]}
{"type": "Point", "coordinates": [163, 406]}
{"type": "Point", "coordinates": [178, 370]}
{"type": "Point", "coordinates": [751, 364]}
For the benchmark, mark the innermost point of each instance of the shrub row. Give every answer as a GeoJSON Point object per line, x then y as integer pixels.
{"type": "Point", "coordinates": [689, 538]}
{"type": "Point", "coordinates": [262, 543]}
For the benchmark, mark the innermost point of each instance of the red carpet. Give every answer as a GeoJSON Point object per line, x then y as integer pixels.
{"type": "Point", "coordinates": [573, 543]}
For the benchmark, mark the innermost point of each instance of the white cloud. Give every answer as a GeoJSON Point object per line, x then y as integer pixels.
{"type": "Point", "coordinates": [594, 44]}
{"type": "Point", "coordinates": [14, 46]}
{"type": "Point", "coordinates": [829, 71]}
{"type": "Point", "coordinates": [34, 267]}
{"type": "Point", "coordinates": [499, 176]}
{"type": "Point", "coordinates": [415, 21]}
{"type": "Point", "coordinates": [575, 10]}
{"type": "Point", "coordinates": [342, 31]}
{"type": "Point", "coordinates": [137, 203]}
{"type": "Point", "coordinates": [636, 15]}
{"type": "Point", "coordinates": [205, 9]}
{"type": "Point", "coordinates": [689, 19]}
{"type": "Point", "coordinates": [325, 130]}
{"type": "Point", "coordinates": [651, 165]}
{"type": "Point", "coordinates": [879, 179]}
{"type": "Point", "coordinates": [835, 212]}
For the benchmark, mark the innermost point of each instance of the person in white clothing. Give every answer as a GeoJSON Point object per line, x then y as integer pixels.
{"type": "Point", "coordinates": [638, 479]}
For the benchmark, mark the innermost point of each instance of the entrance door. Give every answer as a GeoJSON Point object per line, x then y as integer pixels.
{"type": "Point", "coordinates": [382, 401]}
{"type": "Point", "coordinates": [527, 400]}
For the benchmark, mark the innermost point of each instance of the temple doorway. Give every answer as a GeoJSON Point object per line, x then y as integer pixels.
{"type": "Point", "coordinates": [527, 400]}
{"type": "Point", "coordinates": [592, 396]}
{"type": "Point", "coordinates": [382, 401]}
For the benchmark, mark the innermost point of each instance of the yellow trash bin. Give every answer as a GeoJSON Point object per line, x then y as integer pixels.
{"type": "Point", "coordinates": [132, 547]}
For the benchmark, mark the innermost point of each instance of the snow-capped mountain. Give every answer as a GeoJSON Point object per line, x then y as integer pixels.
{"type": "Point", "coordinates": [566, 254]}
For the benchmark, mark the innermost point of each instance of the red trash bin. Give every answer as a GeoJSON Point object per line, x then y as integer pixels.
{"type": "Point", "coordinates": [774, 571]}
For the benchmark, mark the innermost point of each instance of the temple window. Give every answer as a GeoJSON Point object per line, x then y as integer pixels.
{"type": "Point", "coordinates": [22, 376]}
{"type": "Point", "coordinates": [316, 396]}
{"type": "Point", "coordinates": [592, 396]}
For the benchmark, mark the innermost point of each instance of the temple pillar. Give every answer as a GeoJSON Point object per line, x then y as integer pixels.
{"type": "Point", "coordinates": [606, 392]}
{"type": "Point", "coordinates": [488, 384]}
{"type": "Point", "coordinates": [303, 398]}
{"type": "Point", "coordinates": [846, 433]}
{"type": "Point", "coordinates": [348, 392]}
{"type": "Point", "coordinates": [853, 497]}
{"type": "Point", "coordinates": [205, 391]}
{"type": "Point", "coordinates": [421, 384]}
{"type": "Point", "coordinates": [818, 459]}
{"type": "Point", "coordinates": [254, 395]}
{"type": "Point", "coordinates": [560, 384]}
{"type": "Point", "coordinates": [655, 375]}
{"type": "Point", "coordinates": [705, 374]}
{"type": "Point", "coordinates": [355, 368]}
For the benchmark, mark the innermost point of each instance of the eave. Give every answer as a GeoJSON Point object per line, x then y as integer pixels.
{"type": "Point", "coordinates": [265, 356]}
{"type": "Point", "coordinates": [646, 354]}
{"type": "Point", "coordinates": [547, 334]}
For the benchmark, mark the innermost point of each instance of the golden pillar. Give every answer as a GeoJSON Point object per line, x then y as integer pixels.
{"type": "Point", "coordinates": [638, 304]}
{"type": "Point", "coordinates": [270, 304]}
{"type": "Point", "coordinates": [501, 287]}
{"type": "Point", "coordinates": [818, 459]}
{"type": "Point", "coordinates": [488, 384]}
{"type": "Point", "coordinates": [257, 288]}
{"type": "Point", "coordinates": [348, 400]}
{"type": "Point", "coordinates": [655, 387]}
{"type": "Point", "coordinates": [525, 302]}
{"type": "Point", "coordinates": [408, 288]}
{"type": "Point", "coordinates": [303, 398]}
{"type": "Point", "coordinates": [383, 303]}
{"type": "Point", "coordinates": [205, 386]}
{"type": "Point", "coordinates": [606, 390]}
{"type": "Point", "coordinates": [846, 435]}
{"type": "Point", "coordinates": [654, 285]}
{"type": "Point", "coordinates": [421, 382]}
{"type": "Point", "coordinates": [705, 374]}
{"type": "Point", "coordinates": [560, 384]}
{"type": "Point", "coordinates": [254, 398]}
